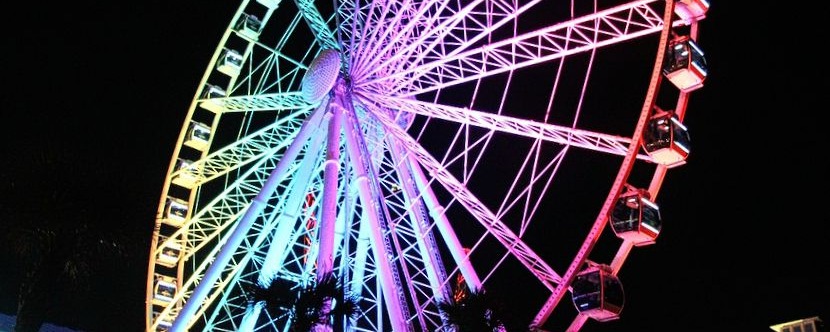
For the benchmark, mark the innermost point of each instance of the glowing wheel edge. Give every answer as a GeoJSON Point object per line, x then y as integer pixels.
{"type": "Point", "coordinates": [272, 182]}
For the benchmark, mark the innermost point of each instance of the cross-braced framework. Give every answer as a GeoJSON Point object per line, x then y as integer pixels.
{"type": "Point", "coordinates": [405, 146]}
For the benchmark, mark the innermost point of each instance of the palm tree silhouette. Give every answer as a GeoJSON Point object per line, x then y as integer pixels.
{"type": "Point", "coordinates": [56, 243]}
{"type": "Point", "coordinates": [474, 311]}
{"type": "Point", "coordinates": [316, 307]}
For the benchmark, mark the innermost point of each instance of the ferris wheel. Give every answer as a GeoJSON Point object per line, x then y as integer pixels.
{"type": "Point", "coordinates": [412, 148]}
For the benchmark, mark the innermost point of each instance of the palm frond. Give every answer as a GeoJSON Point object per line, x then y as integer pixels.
{"type": "Point", "coordinates": [319, 302]}
{"type": "Point", "coordinates": [277, 296]}
{"type": "Point", "coordinates": [476, 311]}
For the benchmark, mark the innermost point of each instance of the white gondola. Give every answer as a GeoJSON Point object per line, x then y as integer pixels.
{"type": "Point", "coordinates": [169, 254]}
{"type": "Point", "coordinates": [248, 26]}
{"type": "Point", "coordinates": [809, 324]}
{"type": "Point", "coordinates": [666, 140]}
{"type": "Point", "coordinates": [229, 63]}
{"type": "Point", "coordinates": [175, 212]}
{"type": "Point", "coordinates": [164, 290]}
{"type": "Point", "coordinates": [598, 294]}
{"type": "Point", "coordinates": [198, 136]}
{"type": "Point", "coordinates": [164, 323]}
{"type": "Point", "coordinates": [685, 64]}
{"type": "Point", "coordinates": [186, 174]}
{"type": "Point", "coordinates": [271, 4]}
{"type": "Point", "coordinates": [635, 218]}
{"type": "Point", "coordinates": [691, 10]}
{"type": "Point", "coordinates": [213, 98]}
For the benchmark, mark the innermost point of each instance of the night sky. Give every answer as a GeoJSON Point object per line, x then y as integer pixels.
{"type": "Point", "coordinates": [100, 91]}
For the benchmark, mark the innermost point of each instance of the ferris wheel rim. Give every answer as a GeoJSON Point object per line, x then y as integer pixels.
{"type": "Point", "coordinates": [633, 152]}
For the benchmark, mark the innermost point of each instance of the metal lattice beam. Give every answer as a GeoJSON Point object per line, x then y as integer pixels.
{"type": "Point", "coordinates": [604, 28]}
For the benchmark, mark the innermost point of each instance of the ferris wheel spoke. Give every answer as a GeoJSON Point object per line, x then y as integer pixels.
{"type": "Point", "coordinates": [380, 20]}
{"type": "Point", "coordinates": [269, 140]}
{"type": "Point", "coordinates": [442, 224]}
{"type": "Point", "coordinates": [224, 308]}
{"type": "Point", "coordinates": [325, 37]}
{"type": "Point", "coordinates": [264, 63]}
{"type": "Point", "coordinates": [521, 251]}
{"type": "Point", "coordinates": [396, 35]}
{"type": "Point", "coordinates": [590, 32]}
{"type": "Point", "coordinates": [216, 216]}
{"type": "Point", "coordinates": [228, 305]}
{"type": "Point", "coordinates": [447, 30]}
{"type": "Point", "coordinates": [350, 15]}
{"type": "Point", "coordinates": [594, 141]}
{"type": "Point", "coordinates": [290, 213]}
{"type": "Point", "coordinates": [283, 223]}
{"type": "Point", "coordinates": [248, 249]}
{"type": "Point", "coordinates": [412, 237]}
{"type": "Point", "coordinates": [215, 270]}
{"type": "Point", "coordinates": [434, 15]}
{"type": "Point", "coordinates": [369, 194]}
{"type": "Point", "coordinates": [264, 102]}
{"type": "Point", "coordinates": [363, 271]}
{"type": "Point", "coordinates": [361, 24]}
{"type": "Point", "coordinates": [418, 203]}
{"type": "Point", "coordinates": [229, 274]}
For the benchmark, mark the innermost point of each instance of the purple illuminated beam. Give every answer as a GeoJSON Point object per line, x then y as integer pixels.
{"type": "Point", "coordinates": [386, 28]}
{"type": "Point", "coordinates": [267, 102]}
{"type": "Point", "coordinates": [196, 300]}
{"type": "Point", "coordinates": [418, 214]}
{"type": "Point", "coordinates": [325, 258]}
{"type": "Point", "coordinates": [372, 24]}
{"type": "Point", "coordinates": [602, 218]}
{"type": "Point", "coordinates": [443, 225]}
{"type": "Point", "coordinates": [317, 24]}
{"type": "Point", "coordinates": [447, 31]}
{"type": "Point", "coordinates": [543, 272]}
{"type": "Point", "coordinates": [371, 55]}
{"type": "Point", "coordinates": [390, 284]}
{"type": "Point", "coordinates": [603, 28]}
{"type": "Point", "coordinates": [506, 124]}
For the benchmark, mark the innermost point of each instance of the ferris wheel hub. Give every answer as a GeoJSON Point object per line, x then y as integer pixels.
{"type": "Point", "coordinates": [321, 76]}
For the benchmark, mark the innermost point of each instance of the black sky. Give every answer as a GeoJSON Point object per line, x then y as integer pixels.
{"type": "Point", "coordinates": [104, 87]}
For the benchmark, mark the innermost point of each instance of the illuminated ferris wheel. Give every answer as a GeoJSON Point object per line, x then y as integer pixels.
{"type": "Point", "coordinates": [415, 148]}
